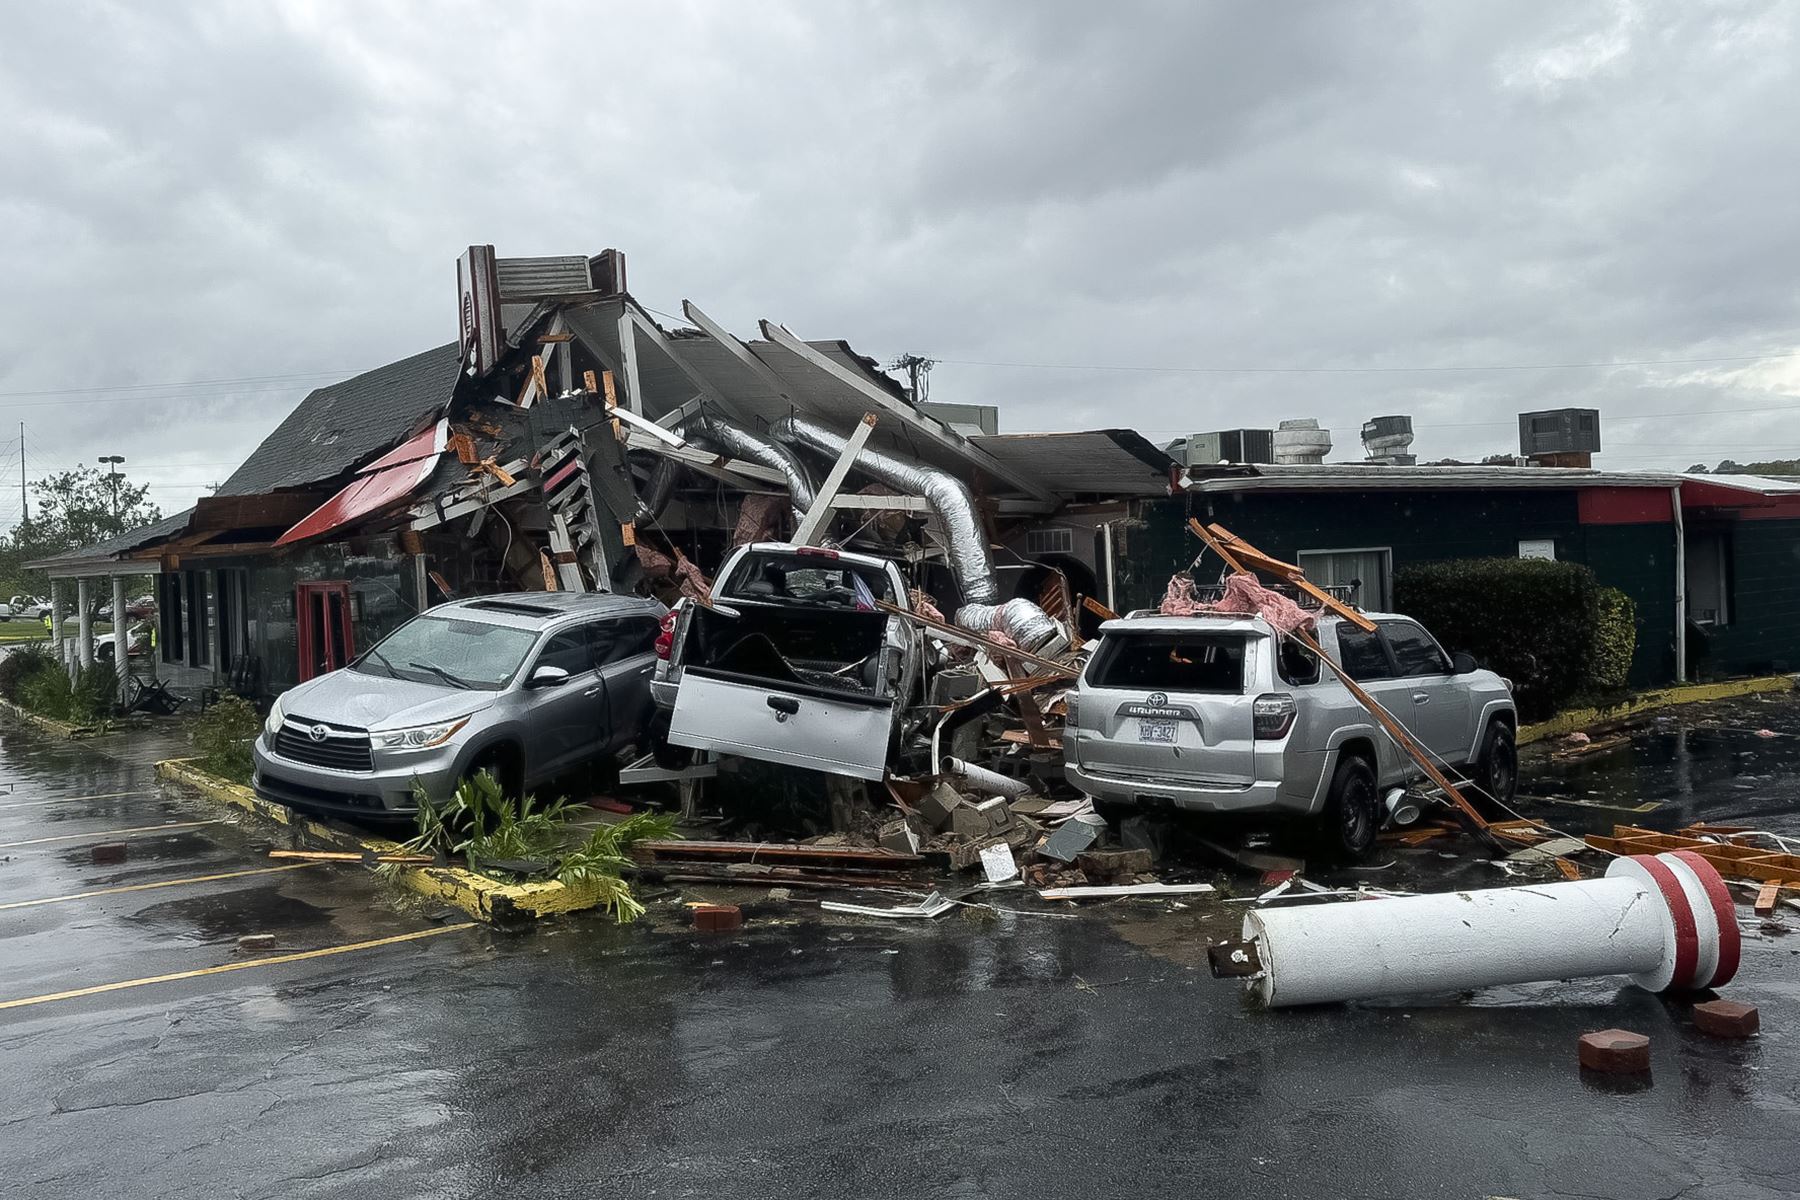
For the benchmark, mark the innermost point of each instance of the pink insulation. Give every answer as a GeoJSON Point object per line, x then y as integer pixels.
{"type": "Point", "coordinates": [1243, 595]}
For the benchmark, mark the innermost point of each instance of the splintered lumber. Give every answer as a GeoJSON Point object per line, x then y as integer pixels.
{"type": "Point", "coordinates": [773, 877]}
{"type": "Point", "coordinates": [791, 853]}
{"type": "Point", "coordinates": [1732, 860]}
{"type": "Point", "coordinates": [351, 856]}
{"type": "Point", "coordinates": [1765, 899]}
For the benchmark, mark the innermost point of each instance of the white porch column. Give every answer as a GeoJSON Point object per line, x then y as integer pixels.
{"type": "Point", "coordinates": [121, 635]}
{"type": "Point", "coordinates": [85, 644]}
{"type": "Point", "coordinates": [56, 616]}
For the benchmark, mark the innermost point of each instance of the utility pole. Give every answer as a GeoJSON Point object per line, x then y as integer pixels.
{"type": "Point", "coordinates": [112, 462]}
{"type": "Point", "coordinates": [24, 505]}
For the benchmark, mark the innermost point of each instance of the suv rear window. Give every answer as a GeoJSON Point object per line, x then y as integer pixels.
{"type": "Point", "coordinates": [1170, 662]}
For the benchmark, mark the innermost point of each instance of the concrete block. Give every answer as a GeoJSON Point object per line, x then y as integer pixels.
{"type": "Point", "coordinates": [257, 941]}
{"type": "Point", "coordinates": [1111, 864]}
{"type": "Point", "coordinates": [966, 822]}
{"type": "Point", "coordinates": [1727, 1019]}
{"type": "Point", "coordinates": [899, 837]}
{"type": "Point", "coordinates": [717, 918]}
{"type": "Point", "coordinates": [110, 852]}
{"type": "Point", "coordinates": [1615, 1052]}
{"type": "Point", "coordinates": [1141, 833]}
{"type": "Point", "coordinates": [937, 808]}
{"type": "Point", "coordinates": [995, 812]}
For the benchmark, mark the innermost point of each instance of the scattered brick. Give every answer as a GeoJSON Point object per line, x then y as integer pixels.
{"type": "Point", "coordinates": [1727, 1019]}
{"type": "Point", "coordinates": [1111, 864]}
{"type": "Point", "coordinates": [110, 852]}
{"type": "Point", "coordinates": [717, 918]}
{"type": "Point", "coordinates": [257, 941]}
{"type": "Point", "coordinates": [1615, 1051]}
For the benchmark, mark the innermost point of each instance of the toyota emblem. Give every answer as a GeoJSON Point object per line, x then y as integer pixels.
{"type": "Point", "coordinates": [1158, 699]}
{"type": "Point", "coordinates": [319, 733]}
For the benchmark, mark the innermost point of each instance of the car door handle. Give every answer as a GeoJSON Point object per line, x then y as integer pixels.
{"type": "Point", "coordinates": [1421, 697]}
{"type": "Point", "coordinates": [593, 691]}
{"type": "Point", "coordinates": [784, 704]}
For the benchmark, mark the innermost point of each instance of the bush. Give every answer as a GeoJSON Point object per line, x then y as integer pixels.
{"type": "Point", "coordinates": [44, 688]}
{"type": "Point", "coordinates": [223, 734]}
{"type": "Point", "coordinates": [1615, 641]}
{"type": "Point", "coordinates": [23, 661]}
{"type": "Point", "coordinates": [1533, 620]}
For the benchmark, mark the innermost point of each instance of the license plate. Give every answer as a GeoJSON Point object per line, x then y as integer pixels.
{"type": "Point", "coordinates": [1156, 731]}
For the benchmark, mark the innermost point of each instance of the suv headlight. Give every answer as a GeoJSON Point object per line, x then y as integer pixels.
{"type": "Point", "coordinates": [272, 723]}
{"type": "Point", "coordinates": [418, 737]}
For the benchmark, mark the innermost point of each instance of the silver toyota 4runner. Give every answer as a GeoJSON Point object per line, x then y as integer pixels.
{"type": "Point", "coordinates": [1219, 714]}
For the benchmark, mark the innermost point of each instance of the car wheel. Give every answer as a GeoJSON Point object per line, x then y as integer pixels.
{"type": "Point", "coordinates": [505, 771]}
{"type": "Point", "coordinates": [1352, 809]}
{"type": "Point", "coordinates": [1498, 769]}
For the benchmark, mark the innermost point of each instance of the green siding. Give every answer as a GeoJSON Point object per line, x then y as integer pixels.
{"type": "Point", "coordinates": [1764, 573]}
{"type": "Point", "coordinates": [1418, 527]}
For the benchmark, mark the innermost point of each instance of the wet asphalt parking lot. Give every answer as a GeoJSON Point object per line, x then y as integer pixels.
{"type": "Point", "coordinates": [985, 1054]}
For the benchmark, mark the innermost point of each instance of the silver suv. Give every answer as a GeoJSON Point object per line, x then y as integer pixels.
{"type": "Point", "coordinates": [1219, 714]}
{"type": "Point", "coordinates": [526, 685]}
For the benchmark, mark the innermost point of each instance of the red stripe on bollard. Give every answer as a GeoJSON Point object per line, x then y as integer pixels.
{"type": "Point", "coordinates": [1731, 941]}
{"type": "Point", "coordinates": [1687, 933]}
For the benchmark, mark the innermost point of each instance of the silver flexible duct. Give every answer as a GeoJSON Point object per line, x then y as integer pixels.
{"type": "Point", "coordinates": [1021, 620]}
{"type": "Point", "coordinates": [722, 437]}
{"type": "Point", "coordinates": [969, 556]}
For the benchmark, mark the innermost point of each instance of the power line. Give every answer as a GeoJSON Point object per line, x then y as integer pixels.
{"type": "Point", "coordinates": [1565, 366]}
{"type": "Point", "coordinates": [180, 383]}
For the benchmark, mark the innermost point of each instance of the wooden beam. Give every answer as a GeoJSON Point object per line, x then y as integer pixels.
{"type": "Point", "coordinates": [820, 512]}
{"type": "Point", "coordinates": [965, 637]}
{"type": "Point", "coordinates": [906, 413]}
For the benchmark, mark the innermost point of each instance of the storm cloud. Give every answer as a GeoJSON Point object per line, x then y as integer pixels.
{"type": "Point", "coordinates": [1172, 216]}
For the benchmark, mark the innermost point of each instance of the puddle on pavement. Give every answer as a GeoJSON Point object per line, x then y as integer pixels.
{"type": "Point", "coordinates": [228, 915]}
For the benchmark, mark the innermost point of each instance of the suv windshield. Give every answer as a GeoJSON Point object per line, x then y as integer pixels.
{"type": "Point", "coordinates": [809, 579]}
{"type": "Point", "coordinates": [444, 650]}
{"type": "Point", "coordinates": [1170, 662]}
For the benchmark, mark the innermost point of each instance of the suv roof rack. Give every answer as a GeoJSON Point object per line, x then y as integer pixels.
{"type": "Point", "coordinates": [518, 608]}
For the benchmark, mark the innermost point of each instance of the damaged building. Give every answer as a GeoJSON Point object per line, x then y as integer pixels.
{"type": "Point", "coordinates": [568, 440]}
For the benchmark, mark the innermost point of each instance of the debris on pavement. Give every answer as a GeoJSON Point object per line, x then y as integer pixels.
{"type": "Point", "coordinates": [932, 906]}
{"type": "Point", "coordinates": [1108, 892]}
{"type": "Point", "coordinates": [1639, 920]}
{"type": "Point", "coordinates": [1615, 1052]}
{"type": "Point", "coordinates": [1726, 1019]}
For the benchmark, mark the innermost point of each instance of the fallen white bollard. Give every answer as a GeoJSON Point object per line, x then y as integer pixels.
{"type": "Point", "coordinates": [1666, 921]}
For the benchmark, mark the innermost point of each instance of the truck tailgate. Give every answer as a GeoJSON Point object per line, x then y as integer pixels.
{"type": "Point", "coordinates": [844, 733]}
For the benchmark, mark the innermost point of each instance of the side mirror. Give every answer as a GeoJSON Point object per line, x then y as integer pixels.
{"type": "Point", "coordinates": [1462, 663]}
{"type": "Point", "coordinates": [547, 677]}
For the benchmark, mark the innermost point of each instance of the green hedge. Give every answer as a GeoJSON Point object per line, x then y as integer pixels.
{"type": "Point", "coordinates": [1548, 626]}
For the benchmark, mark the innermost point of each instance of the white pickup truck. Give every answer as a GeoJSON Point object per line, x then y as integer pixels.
{"type": "Point", "coordinates": [792, 662]}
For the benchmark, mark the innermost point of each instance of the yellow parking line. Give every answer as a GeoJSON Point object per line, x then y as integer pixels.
{"type": "Point", "coordinates": [72, 800]}
{"type": "Point", "coordinates": [76, 837]}
{"type": "Point", "coordinates": [271, 961]}
{"type": "Point", "coordinates": [144, 887]}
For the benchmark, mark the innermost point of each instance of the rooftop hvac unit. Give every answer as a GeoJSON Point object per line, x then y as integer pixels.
{"type": "Point", "coordinates": [1231, 446]}
{"type": "Point", "coordinates": [1301, 443]}
{"type": "Point", "coordinates": [1389, 440]}
{"type": "Point", "coordinates": [1559, 431]}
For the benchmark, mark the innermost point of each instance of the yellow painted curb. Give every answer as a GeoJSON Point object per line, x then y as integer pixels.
{"type": "Point", "coordinates": [483, 898]}
{"type": "Point", "coordinates": [1689, 693]}
{"type": "Point", "coordinates": [50, 724]}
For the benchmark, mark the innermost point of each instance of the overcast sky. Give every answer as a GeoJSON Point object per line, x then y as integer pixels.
{"type": "Point", "coordinates": [229, 191]}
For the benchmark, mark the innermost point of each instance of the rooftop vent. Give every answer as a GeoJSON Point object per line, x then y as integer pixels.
{"type": "Point", "coordinates": [1301, 443]}
{"type": "Point", "coordinates": [1560, 437]}
{"type": "Point", "coordinates": [1231, 446]}
{"type": "Point", "coordinates": [1388, 441]}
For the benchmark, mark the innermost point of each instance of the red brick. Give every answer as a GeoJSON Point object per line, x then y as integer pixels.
{"type": "Point", "coordinates": [717, 918]}
{"type": "Point", "coordinates": [1616, 1051]}
{"type": "Point", "coordinates": [110, 852]}
{"type": "Point", "coordinates": [1727, 1019]}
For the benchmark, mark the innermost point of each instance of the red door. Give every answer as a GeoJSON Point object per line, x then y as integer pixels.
{"type": "Point", "coordinates": [326, 640]}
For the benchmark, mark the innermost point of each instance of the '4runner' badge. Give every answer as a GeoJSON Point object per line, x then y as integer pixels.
{"type": "Point", "coordinates": [1158, 708]}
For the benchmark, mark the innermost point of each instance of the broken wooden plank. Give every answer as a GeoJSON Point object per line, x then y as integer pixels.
{"type": "Point", "coordinates": [1765, 899]}
{"type": "Point", "coordinates": [996, 651]}
{"type": "Point", "coordinates": [1125, 889]}
{"type": "Point", "coordinates": [777, 852]}
{"type": "Point", "coordinates": [820, 512]}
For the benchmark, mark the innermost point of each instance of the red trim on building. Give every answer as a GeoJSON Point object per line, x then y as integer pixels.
{"type": "Point", "coordinates": [1623, 506]}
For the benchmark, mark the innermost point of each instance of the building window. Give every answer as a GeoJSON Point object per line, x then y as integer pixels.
{"type": "Point", "coordinates": [1055, 540]}
{"type": "Point", "coordinates": [1709, 578]}
{"type": "Point", "coordinates": [1363, 575]}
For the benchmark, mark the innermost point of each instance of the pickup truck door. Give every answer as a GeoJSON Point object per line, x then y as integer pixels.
{"type": "Point", "coordinates": [1441, 716]}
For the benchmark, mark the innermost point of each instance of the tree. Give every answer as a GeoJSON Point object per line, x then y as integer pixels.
{"type": "Point", "coordinates": [72, 510]}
